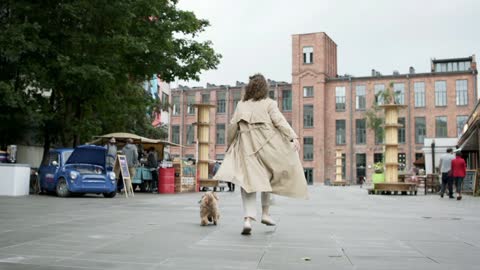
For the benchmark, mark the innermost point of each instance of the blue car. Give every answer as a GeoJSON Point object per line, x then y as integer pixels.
{"type": "Point", "coordinates": [80, 170]}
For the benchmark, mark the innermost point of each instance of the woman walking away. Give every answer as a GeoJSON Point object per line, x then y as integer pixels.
{"type": "Point", "coordinates": [262, 153]}
{"type": "Point", "coordinates": [459, 170]}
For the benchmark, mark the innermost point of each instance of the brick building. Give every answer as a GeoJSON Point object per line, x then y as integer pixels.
{"type": "Point", "coordinates": [328, 111]}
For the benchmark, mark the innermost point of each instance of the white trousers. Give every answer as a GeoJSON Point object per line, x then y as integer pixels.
{"type": "Point", "coordinates": [249, 203]}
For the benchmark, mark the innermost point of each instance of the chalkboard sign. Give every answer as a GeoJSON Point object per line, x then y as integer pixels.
{"type": "Point", "coordinates": [469, 181]}
{"type": "Point", "coordinates": [121, 166]}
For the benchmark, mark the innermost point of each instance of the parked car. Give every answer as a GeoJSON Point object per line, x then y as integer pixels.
{"type": "Point", "coordinates": [80, 170]}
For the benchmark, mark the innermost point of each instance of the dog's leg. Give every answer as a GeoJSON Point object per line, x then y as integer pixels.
{"type": "Point", "coordinates": [204, 221]}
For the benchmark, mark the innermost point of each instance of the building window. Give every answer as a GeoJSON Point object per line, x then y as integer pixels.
{"type": "Point", "coordinates": [379, 88]}
{"type": "Point", "coordinates": [452, 66]}
{"type": "Point", "coordinates": [190, 134]}
{"type": "Point", "coordinates": [308, 175]}
{"type": "Point", "coordinates": [361, 131]}
{"type": "Point", "coordinates": [271, 94]}
{"type": "Point", "coordinates": [190, 102]}
{"type": "Point", "coordinates": [361, 160]}
{"type": "Point", "coordinates": [340, 131]}
{"type": "Point", "coordinates": [206, 98]}
{"type": "Point", "coordinates": [399, 89]}
{"type": "Point", "coordinates": [176, 105]}
{"type": "Point", "coordinates": [420, 129]}
{"type": "Point", "coordinates": [361, 100]}
{"type": "Point", "coordinates": [401, 130]}
{"type": "Point", "coordinates": [164, 102]}
{"type": "Point", "coordinates": [221, 103]}
{"type": "Point", "coordinates": [176, 134]}
{"type": "Point", "coordinates": [308, 116]}
{"type": "Point", "coordinates": [402, 161]}
{"type": "Point", "coordinates": [461, 121]}
{"type": "Point", "coordinates": [307, 55]}
{"type": "Point", "coordinates": [220, 135]}
{"type": "Point", "coordinates": [344, 165]}
{"type": "Point", "coordinates": [462, 93]}
{"type": "Point", "coordinates": [237, 95]}
{"type": "Point", "coordinates": [340, 98]}
{"type": "Point", "coordinates": [308, 91]}
{"type": "Point", "coordinates": [419, 94]}
{"type": "Point", "coordinates": [441, 127]}
{"type": "Point", "coordinates": [440, 93]}
{"type": "Point", "coordinates": [219, 156]}
{"type": "Point", "coordinates": [308, 148]}
{"type": "Point", "coordinates": [377, 157]}
{"type": "Point", "coordinates": [287, 100]}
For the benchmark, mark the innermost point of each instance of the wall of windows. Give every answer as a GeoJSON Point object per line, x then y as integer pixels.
{"type": "Point", "coordinates": [221, 102]}
{"type": "Point", "coordinates": [340, 131]}
{"type": "Point", "coordinates": [452, 66]}
{"type": "Point", "coordinates": [361, 98]}
{"type": "Point", "coordinates": [419, 94]}
{"type": "Point", "coordinates": [287, 100]}
{"type": "Point", "coordinates": [441, 127]}
{"type": "Point", "coordinates": [440, 93]}
{"type": "Point", "coordinates": [420, 129]}
{"type": "Point", "coordinates": [307, 148]}
{"type": "Point", "coordinates": [361, 131]}
{"type": "Point", "coordinates": [462, 92]}
{"type": "Point", "coordinates": [308, 116]}
{"type": "Point", "coordinates": [340, 98]}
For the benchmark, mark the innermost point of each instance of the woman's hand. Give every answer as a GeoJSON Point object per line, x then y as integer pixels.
{"type": "Point", "coordinates": [296, 145]}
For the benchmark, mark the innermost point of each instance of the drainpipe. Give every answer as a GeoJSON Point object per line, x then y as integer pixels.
{"type": "Point", "coordinates": [433, 156]}
{"type": "Point", "coordinates": [182, 127]}
{"type": "Point", "coordinates": [351, 132]}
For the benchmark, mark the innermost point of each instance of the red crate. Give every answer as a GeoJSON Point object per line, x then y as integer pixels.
{"type": "Point", "coordinates": [166, 176]}
{"type": "Point", "coordinates": [166, 188]}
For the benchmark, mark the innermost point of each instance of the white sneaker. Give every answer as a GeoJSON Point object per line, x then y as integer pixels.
{"type": "Point", "coordinates": [267, 220]}
{"type": "Point", "coordinates": [247, 227]}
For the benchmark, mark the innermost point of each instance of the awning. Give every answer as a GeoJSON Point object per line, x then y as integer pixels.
{"type": "Point", "coordinates": [122, 137]}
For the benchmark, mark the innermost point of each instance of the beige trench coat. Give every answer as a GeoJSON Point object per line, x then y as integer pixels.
{"type": "Point", "coordinates": [260, 155]}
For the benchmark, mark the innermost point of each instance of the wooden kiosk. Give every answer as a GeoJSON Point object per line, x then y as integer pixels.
{"type": "Point", "coordinates": [392, 183]}
{"type": "Point", "coordinates": [338, 172]}
{"type": "Point", "coordinates": [203, 146]}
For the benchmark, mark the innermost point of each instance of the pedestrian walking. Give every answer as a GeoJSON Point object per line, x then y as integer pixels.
{"type": "Point", "coordinates": [111, 154]}
{"type": "Point", "coordinates": [445, 167]}
{"type": "Point", "coordinates": [262, 153]}
{"type": "Point", "coordinates": [459, 170]}
{"type": "Point", "coordinates": [152, 165]}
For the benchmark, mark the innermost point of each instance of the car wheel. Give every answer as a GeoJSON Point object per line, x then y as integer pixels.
{"type": "Point", "coordinates": [109, 195]}
{"type": "Point", "coordinates": [62, 188]}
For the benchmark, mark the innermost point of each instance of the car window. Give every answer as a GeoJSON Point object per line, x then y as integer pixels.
{"type": "Point", "coordinates": [53, 156]}
{"type": "Point", "coordinates": [66, 155]}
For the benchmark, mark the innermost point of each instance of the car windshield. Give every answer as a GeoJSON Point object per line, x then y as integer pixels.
{"type": "Point", "coordinates": [66, 155]}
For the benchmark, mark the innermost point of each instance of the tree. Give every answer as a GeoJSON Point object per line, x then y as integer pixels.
{"type": "Point", "coordinates": [78, 65]}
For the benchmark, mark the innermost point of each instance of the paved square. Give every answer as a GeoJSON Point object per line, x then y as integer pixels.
{"type": "Point", "coordinates": [338, 228]}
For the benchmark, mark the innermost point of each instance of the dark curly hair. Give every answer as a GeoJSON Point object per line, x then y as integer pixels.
{"type": "Point", "coordinates": [256, 89]}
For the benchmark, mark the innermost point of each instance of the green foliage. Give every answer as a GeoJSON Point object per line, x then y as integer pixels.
{"type": "Point", "coordinates": [74, 68]}
{"type": "Point", "coordinates": [375, 115]}
{"type": "Point", "coordinates": [378, 167]}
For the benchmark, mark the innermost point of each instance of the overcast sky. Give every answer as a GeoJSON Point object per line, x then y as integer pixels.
{"type": "Point", "coordinates": [386, 35]}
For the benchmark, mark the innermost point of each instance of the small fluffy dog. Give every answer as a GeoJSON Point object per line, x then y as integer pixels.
{"type": "Point", "coordinates": [209, 208]}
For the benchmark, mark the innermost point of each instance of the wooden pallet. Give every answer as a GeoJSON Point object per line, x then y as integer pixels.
{"type": "Point", "coordinates": [394, 189]}
{"type": "Point", "coordinates": [339, 183]}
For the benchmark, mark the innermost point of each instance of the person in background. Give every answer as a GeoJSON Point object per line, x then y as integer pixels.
{"type": "Point", "coordinates": [152, 164]}
{"type": "Point", "coordinates": [111, 154]}
{"type": "Point", "coordinates": [131, 153]}
{"type": "Point", "coordinates": [413, 172]}
{"type": "Point", "coordinates": [445, 167]}
{"type": "Point", "coordinates": [459, 170]}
